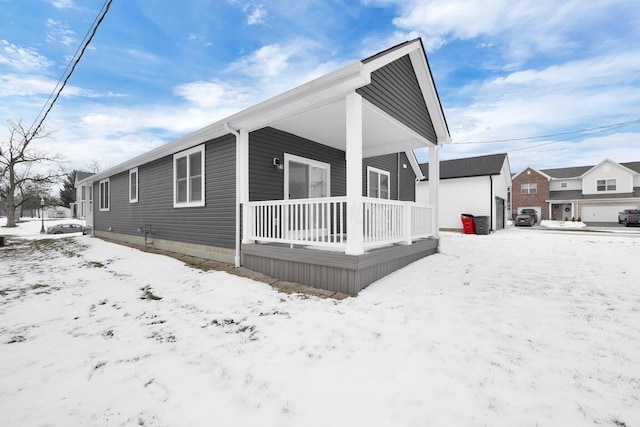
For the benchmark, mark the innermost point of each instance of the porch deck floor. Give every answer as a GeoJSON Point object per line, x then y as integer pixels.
{"type": "Point", "coordinates": [329, 269]}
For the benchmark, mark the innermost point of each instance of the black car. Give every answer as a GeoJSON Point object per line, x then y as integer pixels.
{"type": "Point", "coordinates": [532, 213]}
{"type": "Point", "coordinates": [66, 228]}
{"type": "Point", "coordinates": [524, 219]}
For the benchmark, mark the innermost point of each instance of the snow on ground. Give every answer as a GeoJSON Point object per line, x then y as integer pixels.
{"type": "Point", "coordinates": [523, 327]}
{"type": "Point", "coordinates": [562, 224]}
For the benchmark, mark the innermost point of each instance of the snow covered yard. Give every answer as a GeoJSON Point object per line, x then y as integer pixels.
{"type": "Point", "coordinates": [518, 328]}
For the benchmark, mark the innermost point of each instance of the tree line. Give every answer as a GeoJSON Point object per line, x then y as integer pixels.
{"type": "Point", "coordinates": [27, 173]}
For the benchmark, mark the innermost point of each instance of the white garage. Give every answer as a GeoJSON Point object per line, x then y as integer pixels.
{"type": "Point", "coordinates": [602, 213]}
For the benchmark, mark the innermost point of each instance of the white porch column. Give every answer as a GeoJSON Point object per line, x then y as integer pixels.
{"type": "Point", "coordinates": [355, 240]}
{"type": "Point", "coordinates": [434, 187]}
{"type": "Point", "coordinates": [243, 182]}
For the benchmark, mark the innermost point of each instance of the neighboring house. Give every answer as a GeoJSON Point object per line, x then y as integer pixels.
{"type": "Point", "coordinates": [314, 186]}
{"type": "Point", "coordinates": [530, 191]}
{"type": "Point", "coordinates": [476, 185]}
{"type": "Point", "coordinates": [591, 193]}
{"type": "Point", "coordinates": [83, 205]}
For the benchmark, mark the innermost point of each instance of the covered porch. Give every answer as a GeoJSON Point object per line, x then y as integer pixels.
{"type": "Point", "coordinates": [337, 234]}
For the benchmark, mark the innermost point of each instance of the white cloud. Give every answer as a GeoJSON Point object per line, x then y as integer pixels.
{"type": "Point", "coordinates": [63, 4]}
{"type": "Point", "coordinates": [212, 94]}
{"type": "Point", "coordinates": [257, 16]}
{"type": "Point", "coordinates": [595, 91]}
{"type": "Point", "coordinates": [266, 62]}
{"type": "Point", "coordinates": [22, 59]}
{"type": "Point", "coordinates": [522, 28]}
{"type": "Point", "coordinates": [59, 32]}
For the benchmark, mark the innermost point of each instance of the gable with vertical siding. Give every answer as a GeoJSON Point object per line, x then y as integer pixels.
{"type": "Point", "coordinates": [394, 89]}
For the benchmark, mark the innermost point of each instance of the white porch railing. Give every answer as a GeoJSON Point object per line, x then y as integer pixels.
{"type": "Point", "coordinates": [322, 222]}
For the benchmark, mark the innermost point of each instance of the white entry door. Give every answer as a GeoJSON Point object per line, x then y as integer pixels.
{"type": "Point", "coordinates": [305, 178]}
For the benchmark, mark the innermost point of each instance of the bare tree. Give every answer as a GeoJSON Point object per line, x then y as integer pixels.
{"type": "Point", "coordinates": [17, 159]}
{"type": "Point", "coordinates": [94, 166]}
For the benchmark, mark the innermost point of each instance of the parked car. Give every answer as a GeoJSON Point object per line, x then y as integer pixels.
{"type": "Point", "coordinates": [629, 216]}
{"type": "Point", "coordinates": [66, 228]}
{"type": "Point", "coordinates": [532, 213]}
{"type": "Point", "coordinates": [524, 219]}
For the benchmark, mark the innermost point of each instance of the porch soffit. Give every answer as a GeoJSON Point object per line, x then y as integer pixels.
{"type": "Point", "coordinates": [381, 133]}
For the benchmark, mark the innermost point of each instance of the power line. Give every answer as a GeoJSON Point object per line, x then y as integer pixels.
{"type": "Point", "coordinates": [590, 131]}
{"type": "Point", "coordinates": [74, 60]}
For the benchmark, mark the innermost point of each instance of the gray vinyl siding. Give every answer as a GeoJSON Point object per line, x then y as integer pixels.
{"type": "Point", "coordinates": [389, 163]}
{"type": "Point", "coordinates": [212, 224]}
{"type": "Point", "coordinates": [394, 89]}
{"type": "Point", "coordinates": [267, 182]}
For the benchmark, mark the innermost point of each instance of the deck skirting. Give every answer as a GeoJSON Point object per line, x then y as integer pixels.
{"type": "Point", "coordinates": [333, 271]}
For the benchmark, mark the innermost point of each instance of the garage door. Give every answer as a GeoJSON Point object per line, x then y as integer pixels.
{"type": "Point", "coordinates": [602, 213]}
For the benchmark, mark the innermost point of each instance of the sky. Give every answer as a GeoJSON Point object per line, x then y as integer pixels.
{"type": "Point", "coordinates": [552, 83]}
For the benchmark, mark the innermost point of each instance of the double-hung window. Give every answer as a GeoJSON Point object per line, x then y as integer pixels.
{"type": "Point", "coordinates": [133, 185]}
{"type": "Point", "coordinates": [377, 183]}
{"type": "Point", "coordinates": [105, 196]}
{"type": "Point", "coordinates": [188, 178]}
{"type": "Point", "coordinates": [530, 188]}
{"type": "Point", "coordinates": [606, 185]}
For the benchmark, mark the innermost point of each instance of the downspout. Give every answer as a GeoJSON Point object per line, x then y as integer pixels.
{"type": "Point", "coordinates": [491, 203]}
{"type": "Point", "coordinates": [238, 222]}
{"type": "Point", "coordinates": [398, 156]}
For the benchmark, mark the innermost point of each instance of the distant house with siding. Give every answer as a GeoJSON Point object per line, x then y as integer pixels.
{"type": "Point", "coordinates": [314, 186]}
{"type": "Point", "coordinates": [592, 193]}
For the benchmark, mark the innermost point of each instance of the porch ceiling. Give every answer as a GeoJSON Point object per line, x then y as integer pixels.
{"type": "Point", "coordinates": [326, 124]}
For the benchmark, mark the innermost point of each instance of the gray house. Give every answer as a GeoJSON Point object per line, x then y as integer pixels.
{"type": "Point", "coordinates": [314, 186]}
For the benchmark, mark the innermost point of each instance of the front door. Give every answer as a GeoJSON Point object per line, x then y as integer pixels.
{"type": "Point", "coordinates": [306, 178]}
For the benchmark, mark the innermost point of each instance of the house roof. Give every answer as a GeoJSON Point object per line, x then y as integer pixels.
{"type": "Point", "coordinates": [572, 172]}
{"type": "Point", "coordinates": [513, 176]}
{"type": "Point", "coordinates": [82, 175]}
{"type": "Point", "coordinates": [578, 171]}
{"type": "Point", "coordinates": [316, 110]}
{"type": "Point", "coordinates": [468, 167]}
{"type": "Point", "coordinates": [634, 166]}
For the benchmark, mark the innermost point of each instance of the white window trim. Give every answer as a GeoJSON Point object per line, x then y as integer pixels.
{"type": "Point", "coordinates": [292, 157]}
{"type": "Point", "coordinates": [186, 153]}
{"type": "Point", "coordinates": [606, 180]}
{"type": "Point", "coordinates": [108, 204]}
{"type": "Point", "coordinates": [134, 199]}
{"type": "Point", "coordinates": [528, 185]}
{"type": "Point", "coordinates": [379, 172]}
